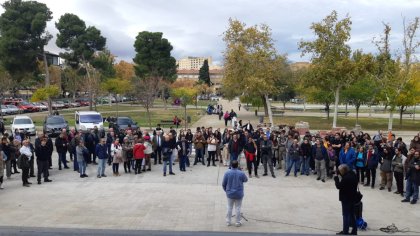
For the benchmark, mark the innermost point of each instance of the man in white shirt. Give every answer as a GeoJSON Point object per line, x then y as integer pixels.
{"type": "Point", "coordinates": [24, 165]}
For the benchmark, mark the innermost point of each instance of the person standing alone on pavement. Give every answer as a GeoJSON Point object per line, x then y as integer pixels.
{"type": "Point", "coordinates": [233, 185]}
{"type": "Point", "coordinates": [347, 195]}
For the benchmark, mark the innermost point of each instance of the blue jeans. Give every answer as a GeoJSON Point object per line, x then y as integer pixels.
{"type": "Point", "coordinates": [305, 165]}
{"type": "Point", "coordinates": [411, 190]}
{"type": "Point", "coordinates": [233, 157]}
{"type": "Point", "coordinates": [101, 166]}
{"type": "Point", "coordinates": [82, 167]}
{"type": "Point", "coordinates": [165, 163]}
{"type": "Point", "coordinates": [182, 162]}
{"type": "Point", "coordinates": [198, 155]}
{"type": "Point", "coordinates": [295, 162]}
{"type": "Point", "coordinates": [62, 159]}
{"type": "Point", "coordinates": [75, 163]}
{"type": "Point", "coordinates": [349, 218]}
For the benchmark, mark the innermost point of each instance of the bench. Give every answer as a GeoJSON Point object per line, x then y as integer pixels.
{"type": "Point", "coordinates": [343, 113]}
{"type": "Point", "coordinates": [277, 112]}
{"type": "Point", "coordinates": [408, 113]}
{"type": "Point", "coordinates": [167, 122]}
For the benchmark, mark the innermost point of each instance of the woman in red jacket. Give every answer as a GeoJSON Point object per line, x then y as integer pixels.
{"type": "Point", "coordinates": [138, 154]}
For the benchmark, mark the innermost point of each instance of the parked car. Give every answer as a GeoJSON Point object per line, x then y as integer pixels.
{"type": "Point", "coordinates": [63, 104]}
{"type": "Point", "coordinates": [4, 110]}
{"type": "Point", "coordinates": [12, 109]}
{"type": "Point", "coordinates": [83, 101]}
{"type": "Point", "coordinates": [122, 123]}
{"type": "Point", "coordinates": [23, 123]}
{"type": "Point", "coordinates": [56, 105]}
{"type": "Point", "coordinates": [71, 104]}
{"type": "Point", "coordinates": [40, 106]}
{"type": "Point", "coordinates": [215, 98]}
{"type": "Point", "coordinates": [27, 107]}
{"type": "Point", "coordinates": [53, 125]}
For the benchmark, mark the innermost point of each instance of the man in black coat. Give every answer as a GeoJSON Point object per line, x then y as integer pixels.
{"type": "Point", "coordinates": [347, 194]}
{"type": "Point", "coordinates": [42, 152]}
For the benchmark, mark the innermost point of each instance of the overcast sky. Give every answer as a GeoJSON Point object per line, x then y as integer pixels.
{"type": "Point", "coordinates": [194, 27]}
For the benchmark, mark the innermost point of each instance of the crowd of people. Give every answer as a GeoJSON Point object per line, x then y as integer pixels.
{"type": "Point", "coordinates": [284, 148]}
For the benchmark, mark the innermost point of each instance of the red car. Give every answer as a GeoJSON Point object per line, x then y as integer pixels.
{"type": "Point", "coordinates": [27, 107]}
{"type": "Point", "coordinates": [83, 102]}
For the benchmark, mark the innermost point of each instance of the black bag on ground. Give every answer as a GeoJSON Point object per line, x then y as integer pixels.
{"type": "Point", "coordinates": [358, 210]}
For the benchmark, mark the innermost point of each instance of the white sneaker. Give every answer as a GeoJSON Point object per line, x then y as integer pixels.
{"type": "Point", "coordinates": [1, 186]}
{"type": "Point", "coordinates": [238, 224]}
{"type": "Point", "coordinates": [228, 224]}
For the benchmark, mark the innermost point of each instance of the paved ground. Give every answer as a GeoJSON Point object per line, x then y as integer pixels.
{"type": "Point", "coordinates": [187, 202]}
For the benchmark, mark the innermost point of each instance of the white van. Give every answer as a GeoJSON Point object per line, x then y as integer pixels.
{"type": "Point", "coordinates": [87, 120]}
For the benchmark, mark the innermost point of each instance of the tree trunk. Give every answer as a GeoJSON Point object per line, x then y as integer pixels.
{"type": "Point", "coordinates": [265, 105]}
{"type": "Point", "coordinates": [391, 114]}
{"type": "Point", "coordinates": [357, 113]}
{"type": "Point", "coordinates": [346, 109]}
{"type": "Point", "coordinates": [47, 80]}
{"type": "Point", "coordinates": [185, 117]}
{"type": "Point", "coordinates": [327, 109]}
{"type": "Point", "coordinates": [401, 114]}
{"type": "Point", "coordinates": [148, 116]}
{"type": "Point", "coordinates": [90, 86]}
{"type": "Point", "coordinates": [337, 98]}
{"type": "Point", "coordinates": [163, 98]}
{"type": "Point", "coordinates": [304, 103]}
{"type": "Point", "coordinates": [284, 105]}
{"type": "Point", "coordinates": [270, 114]}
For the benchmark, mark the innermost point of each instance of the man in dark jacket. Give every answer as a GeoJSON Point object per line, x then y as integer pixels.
{"type": "Point", "coordinates": [235, 148]}
{"type": "Point", "coordinates": [372, 160]}
{"type": "Point", "coordinates": [42, 154]}
{"type": "Point", "coordinates": [347, 195]}
{"type": "Point", "coordinates": [61, 146]}
{"type": "Point", "coordinates": [101, 153]}
{"type": "Point", "coordinates": [413, 179]}
{"type": "Point", "coordinates": [319, 153]}
{"type": "Point", "coordinates": [266, 153]}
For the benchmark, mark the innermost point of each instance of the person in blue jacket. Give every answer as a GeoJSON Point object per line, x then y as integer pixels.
{"type": "Point", "coordinates": [347, 156]}
{"type": "Point", "coordinates": [360, 163]}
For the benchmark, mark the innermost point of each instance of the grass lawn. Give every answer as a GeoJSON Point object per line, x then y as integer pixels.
{"type": "Point", "coordinates": [321, 123]}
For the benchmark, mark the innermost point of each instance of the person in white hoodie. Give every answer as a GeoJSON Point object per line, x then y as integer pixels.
{"type": "Point", "coordinates": [116, 152]}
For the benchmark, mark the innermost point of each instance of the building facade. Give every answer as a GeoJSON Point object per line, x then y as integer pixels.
{"type": "Point", "coordinates": [193, 63]}
{"type": "Point", "coordinates": [216, 77]}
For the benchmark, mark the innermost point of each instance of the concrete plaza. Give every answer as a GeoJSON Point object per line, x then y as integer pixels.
{"type": "Point", "coordinates": [191, 201]}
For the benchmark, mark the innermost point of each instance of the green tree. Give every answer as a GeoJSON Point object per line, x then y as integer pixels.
{"type": "Point", "coordinates": [153, 61]}
{"type": "Point", "coordinates": [45, 93]}
{"type": "Point", "coordinates": [23, 36]}
{"type": "Point", "coordinates": [394, 75]}
{"type": "Point", "coordinates": [204, 74]}
{"type": "Point", "coordinates": [252, 64]}
{"type": "Point", "coordinates": [330, 59]}
{"type": "Point", "coordinates": [116, 87]}
{"type": "Point", "coordinates": [80, 43]}
{"type": "Point", "coordinates": [186, 95]}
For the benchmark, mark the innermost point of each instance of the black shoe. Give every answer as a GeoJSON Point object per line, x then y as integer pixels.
{"type": "Point", "coordinates": [214, 164]}
{"type": "Point", "coordinates": [413, 201]}
{"type": "Point", "coordinates": [32, 176]}
{"type": "Point", "coordinates": [82, 176]}
{"type": "Point", "coordinates": [160, 162]}
{"type": "Point", "coordinates": [353, 233]}
{"type": "Point", "coordinates": [405, 200]}
{"type": "Point", "coordinates": [28, 182]}
{"type": "Point", "coordinates": [164, 174]}
{"type": "Point", "coordinates": [66, 167]}
{"type": "Point", "coordinates": [171, 173]}
{"type": "Point", "coordinates": [85, 175]}
{"type": "Point", "coordinates": [47, 180]}
{"type": "Point", "coordinates": [26, 185]}
{"type": "Point", "coordinates": [103, 175]}
{"type": "Point", "coordinates": [389, 189]}
{"type": "Point", "coordinates": [59, 168]}
{"type": "Point", "coordinates": [319, 178]}
{"type": "Point", "coordinates": [17, 172]}
{"type": "Point", "coordinates": [396, 192]}
{"type": "Point", "coordinates": [39, 182]}
{"type": "Point", "coordinates": [342, 233]}
{"type": "Point", "coordinates": [273, 176]}
{"type": "Point", "coordinates": [381, 188]}
{"type": "Point", "coordinates": [265, 174]}
{"type": "Point", "coordinates": [149, 169]}
{"type": "Point", "coordinates": [323, 180]}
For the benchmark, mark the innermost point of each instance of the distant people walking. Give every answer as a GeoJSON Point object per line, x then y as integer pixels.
{"type": "Point", "coordinates": [239, 106]}
{"type": "Point", "coordinates": [233, 185]}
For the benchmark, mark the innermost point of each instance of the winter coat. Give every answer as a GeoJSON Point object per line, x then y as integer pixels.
{"type": "Point", "coordinates": [138, 151]}
{"type": "Point", "coordinates": [386, 162]}
{"type": "Point", "coordinates": [373, 160]}
{"type": "Point", "coordinates": [398, 163]}
{"type": "Point", "coordinates": [116, 151]}
{"type": "Point", "coordinates": [413, 174]}
{"type": "Point", "coordinates": [347, 158]}
{"type": "Point", "coordinates": [323, 150]}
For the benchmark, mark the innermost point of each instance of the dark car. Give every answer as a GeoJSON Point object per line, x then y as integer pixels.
{"type": "Point", "coordinates": [121, 123]}
{"type": "Point", "coordinates": [54, 124]}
